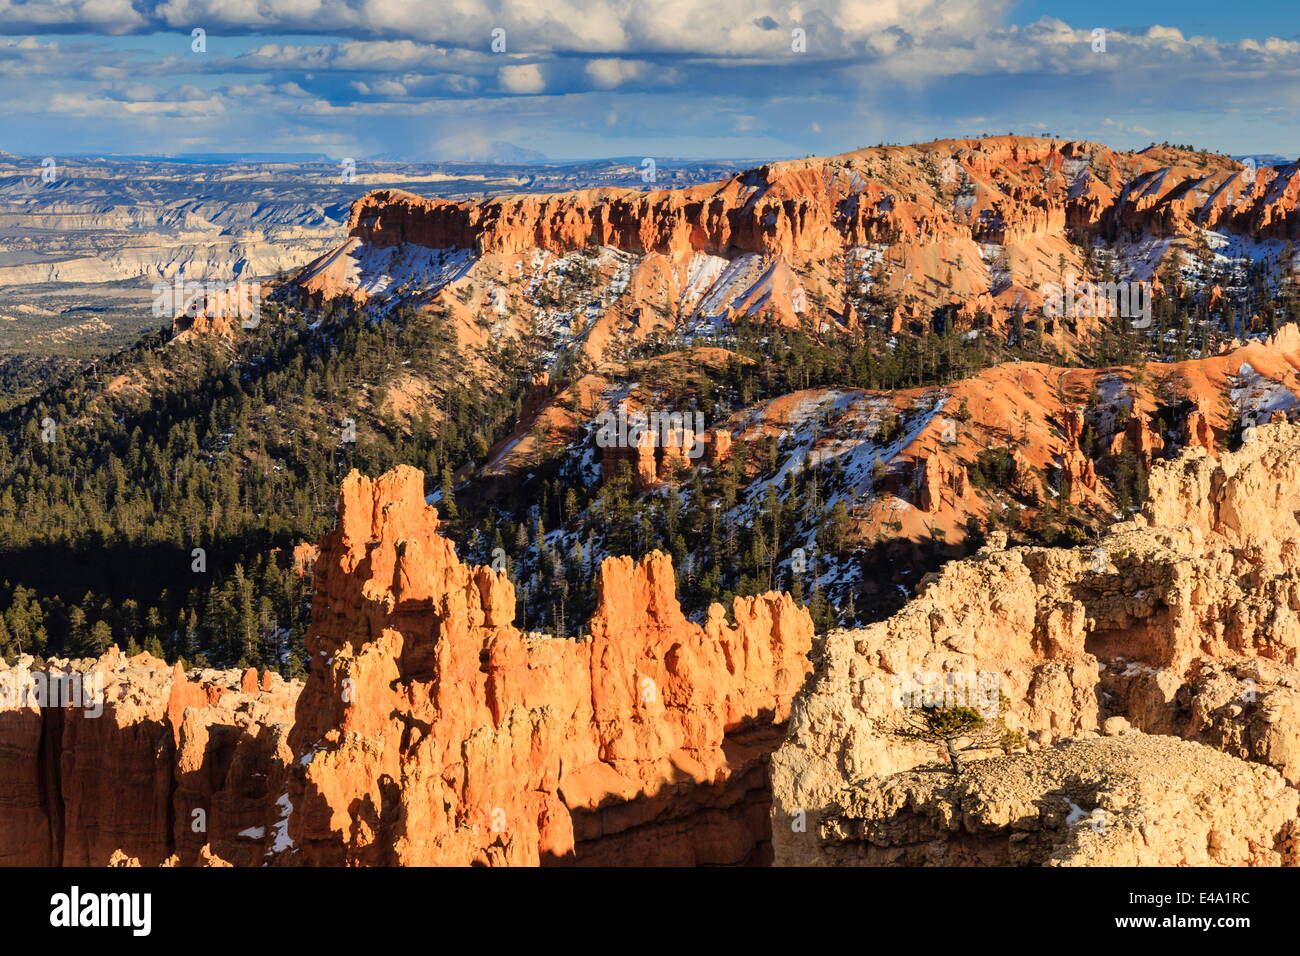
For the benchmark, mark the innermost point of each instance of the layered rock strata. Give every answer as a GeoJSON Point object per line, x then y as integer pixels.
{"type": "Point", "coordinates": [431, 730]}
{"type": "Point", "coordinates": [971, 232]}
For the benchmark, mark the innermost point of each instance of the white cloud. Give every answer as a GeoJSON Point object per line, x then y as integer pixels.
{"type": "Point", "coordinates": [606, 74]}
{"type": "Point", "coordinates": [107, 16]}
{"type": "Point", "coordinates": [874, 69]}
{"type": "Point", "coordinates": [522, 78]}
{"type": "Point", "coordinates": [1165, 33]}
{"type": "Point", "coordinates": [712, 28]}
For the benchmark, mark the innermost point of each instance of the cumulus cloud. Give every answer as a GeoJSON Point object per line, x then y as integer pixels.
{"type": "Point", "coordinates": [731, 28]}
{"type": "Point", "coordinates": [608, 73]}
{"type": "Point", "coordinates": [702, 71]}
{"type": "Point", "coordinates": [98, 16]}
{"type": "Point", "coordinates": [522, 78]}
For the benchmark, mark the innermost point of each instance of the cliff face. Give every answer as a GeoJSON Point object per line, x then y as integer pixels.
{"type": "Point", "coordinates": [1020, 186]}
{"type": "Point", "coordinates": [432, 731]}
{"type": "Point", "coordinates": [956, 226]}
{"type": "Point", "coordinates": [151, 764]}
{"type": "Point", "coordinates": [1184, 621]}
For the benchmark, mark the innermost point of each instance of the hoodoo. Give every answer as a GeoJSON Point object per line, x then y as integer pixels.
{"type": "Point", "coordinates": [432, 731]}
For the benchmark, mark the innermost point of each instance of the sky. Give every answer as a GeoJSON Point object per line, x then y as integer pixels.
{"type": "Point", "coordinates": [643, 78]}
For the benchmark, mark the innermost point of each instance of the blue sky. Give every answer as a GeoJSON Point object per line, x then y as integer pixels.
{"type": "Point", "coordinates": [667, 78]}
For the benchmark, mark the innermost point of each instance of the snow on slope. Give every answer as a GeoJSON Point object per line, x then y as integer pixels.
{"type": "Point", "coordinates": [406, 268]}
{"type": "Point", "coordinates": [1256, 398]}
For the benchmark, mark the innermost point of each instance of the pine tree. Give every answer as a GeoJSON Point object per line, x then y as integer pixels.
{"type": "Point", "coordinates": [101, 638]}
{"type": "Point", "coordinates": [448, 499]}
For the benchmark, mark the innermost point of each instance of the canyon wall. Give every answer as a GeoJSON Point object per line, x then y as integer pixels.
{"type": "Point", "coordinates": [432, 732]}
{"type": "Point", "coordinates": [1183, 621]}
{"type": "Point", "coordinates": [1020, 188]}
{"type": "Point", "coordinates": [141, 760]}
{"type": "Point", "coordinates": [969, 232]}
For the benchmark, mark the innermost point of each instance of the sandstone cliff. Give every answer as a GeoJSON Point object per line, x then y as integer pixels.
{"type": "Point", "coordinates": [431, 731]}
{"type": "Point", "coordinates": [959, 227]}
{"type": "Point", "coordinates": [1184, 621]}
{"type": "Point", "coordinates": [159, 765]}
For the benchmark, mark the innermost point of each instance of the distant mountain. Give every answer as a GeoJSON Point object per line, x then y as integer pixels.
{"type": "Point", "coordinates": [209, 217]}
{"type": "Point", "coordinates": [503, 152]}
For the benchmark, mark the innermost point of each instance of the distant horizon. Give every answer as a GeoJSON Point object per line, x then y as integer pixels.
{"type": "Point", "coordinates": [322, 158]}
{"type": "Point", "coordinates": [222, 158]}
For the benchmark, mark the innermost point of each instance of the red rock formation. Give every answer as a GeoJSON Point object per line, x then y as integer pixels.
{"type": "Point", "coordinates": [431, 731]}
{"type": "Point", "coordinates": [656, 457]}
{"type": "Point", "coordinates": [1216, 297]}
{"type": "Point", "coordinates": [304, 558]}
{"type": "Point", "coordinates": [1200, 434]}
{"type": "Point", "coordinates": [217, 311]}
{"type": "Point", "coordinates": [639, 460]}
{"type": "Point", "coordinates": [1142, 440]}
{"type": "Point", "coordinates": [797, 219]}
{"type": "Point", "coordinates": [81, 783]}
{"type": "Point", "coordinates": [717, 446]}
{"type": "Point", "coordinates": [539, 390]}
{"type": "Point", "coordinates": [1079, 469]}
{"type": "Point", "coordinates": [678, 452]}
{"type": "Point", "coordinates": [1025, 481]}
{"type": "Point", "coordinates": [940, 478]}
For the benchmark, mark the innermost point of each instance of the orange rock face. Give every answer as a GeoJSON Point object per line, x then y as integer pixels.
{"type": "Point", "coordinates": [219, 311]}
{"type": "Point", "coordinates": [940, 478]}
{"type": "Point", "coordinates": [304, 558]}
{"type": "Point", "coordinates": [433, 732]}
{"type": "Point", "coordinates": [781, 241]}
{"type": "Point", "coordinates": [652, 461]}
{"type": "Point", "coordinates": [164, 766]}
{"type": "Point", "coordinates": [718, 446]}
{"type": "Point", "coordinates": [816, 206]}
